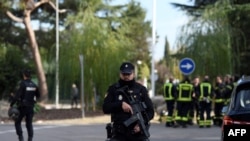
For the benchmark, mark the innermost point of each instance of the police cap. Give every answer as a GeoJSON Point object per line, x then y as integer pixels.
{"type": "Point", "coordinates": [127, 68]}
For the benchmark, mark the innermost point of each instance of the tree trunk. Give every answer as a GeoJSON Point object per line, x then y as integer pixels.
{"type": "Point", "coordinates": [37, 58]}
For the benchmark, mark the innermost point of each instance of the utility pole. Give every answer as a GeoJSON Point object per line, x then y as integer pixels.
{"type": "Point", "coordinates": [57, 54]}
{"type": "Point", "coordinates": [152, 51]}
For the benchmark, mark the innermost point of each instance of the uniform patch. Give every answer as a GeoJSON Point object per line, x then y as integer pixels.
{"type": "Point", "coordinates": [30, 88]}
{"type": "Point", "coordinates": [120, 97]}
{"type": "Point", "coordinates": [135, 96]}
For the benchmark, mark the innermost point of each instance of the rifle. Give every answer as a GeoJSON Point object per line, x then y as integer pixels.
{"type": "Point", "coordinates": [138, 108]}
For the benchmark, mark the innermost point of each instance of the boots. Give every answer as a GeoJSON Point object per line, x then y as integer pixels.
{"type": "Point", "coordinates": [29, 138]}
{"type": "Point", "coordinates": [20, 138]}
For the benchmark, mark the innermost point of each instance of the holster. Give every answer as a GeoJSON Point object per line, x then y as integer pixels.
{"type": "Point", "coordinates": [109, 127]}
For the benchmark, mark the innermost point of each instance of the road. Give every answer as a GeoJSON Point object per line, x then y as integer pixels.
{"type": "Point", "coordinates": [97, 132]}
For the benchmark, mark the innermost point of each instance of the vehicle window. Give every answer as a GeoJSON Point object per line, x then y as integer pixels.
{"type": "Point", "coordinates": [243, 99]}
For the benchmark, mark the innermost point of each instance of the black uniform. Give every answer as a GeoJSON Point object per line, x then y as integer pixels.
{"type": "Point", "coordinates": [113, 105]}
{"type": "Point", "coordinates": [24, 98]}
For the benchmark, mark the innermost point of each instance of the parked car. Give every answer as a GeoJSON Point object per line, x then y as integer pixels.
{"type": "Point", "coordinates": [237, 113]}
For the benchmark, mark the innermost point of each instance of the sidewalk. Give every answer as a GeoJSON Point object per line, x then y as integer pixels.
{"type": "Point", "coordinates": [86, 120]}
{"type": "Point", "coordinates": [78, 121]}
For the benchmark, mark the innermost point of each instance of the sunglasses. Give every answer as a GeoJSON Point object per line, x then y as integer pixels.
{"type": "Point", "coordinates": [126, 74]}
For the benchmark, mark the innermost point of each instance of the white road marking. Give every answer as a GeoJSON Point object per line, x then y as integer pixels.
{"type": "Point", "coordinates": [35, 128]}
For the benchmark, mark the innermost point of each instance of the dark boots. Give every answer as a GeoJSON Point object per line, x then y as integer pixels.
{"type": "Point", "coordinates": [20, 138]}
{"type": "Point", "coordinates": [29, 138]}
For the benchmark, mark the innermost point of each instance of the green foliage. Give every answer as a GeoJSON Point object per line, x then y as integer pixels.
{"type": "Point", "coordinates": [37, 108]}
{"type": "Point", "coordinates": [12, 63]}
{"type": "Point", "coordinates": [104, 42]}
{"type": "Point", "coordinates": [215, 39]}
{"type": "Point", "coordinates": [105, 35]}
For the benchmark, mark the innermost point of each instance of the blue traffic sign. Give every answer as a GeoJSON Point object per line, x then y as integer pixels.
{"type": "Point", "coordinates": [186, 66]}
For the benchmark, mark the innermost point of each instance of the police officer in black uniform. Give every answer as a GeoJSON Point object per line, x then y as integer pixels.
{"type": "Point", "coordinates": [117, 104]}
{"type": "Point", "coordinates": [25, 99]}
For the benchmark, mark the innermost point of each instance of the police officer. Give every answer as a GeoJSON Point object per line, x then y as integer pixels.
{"type": "Point", "coordinates": [194, 107]}
{"type": "Point", "coordinates": [25, 99]}
{"type": "Point", "coordinates": [117, 104]}
{"type": "Point", "coordinates": [170, 97]}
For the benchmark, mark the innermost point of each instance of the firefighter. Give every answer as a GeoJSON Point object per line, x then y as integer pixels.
{"type": "Point", "coordinates": [194, 107]}
{"type": "Point", "coordinates": [219, 91]}
{"type": "Point", "coordinates": [170, 96]}
{"type": "Point", "coordinates": [184, 99]}
{"type": "Point", "coordinates": [205, 101]}
{"type": "Point", "coordinates": [229, 85]}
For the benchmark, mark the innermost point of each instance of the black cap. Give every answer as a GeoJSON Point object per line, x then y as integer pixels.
{"type": "Point", "coordinates": [127, 67]}
{"type": "Point", "coordinates": [26, 72]}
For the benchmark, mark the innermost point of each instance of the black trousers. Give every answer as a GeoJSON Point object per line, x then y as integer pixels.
{"type": "Point", "coordinates": [121, 133]}
{"type": "Point", "coordinates": [74, 101]}
{"type": "Point", "coordinates": [28, 113]}
{"type": "Point", "coordinates": [124, 137]}
{"type": "Point", "coordinates": [170, 107]}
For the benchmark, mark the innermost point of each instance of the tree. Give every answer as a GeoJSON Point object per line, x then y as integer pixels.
{"type": "Point", "coordinates": [105, 39]}
{"type": "Point", "coordinates": [29, 7]}
{"type": "Point", "coordinates": [221, 28]}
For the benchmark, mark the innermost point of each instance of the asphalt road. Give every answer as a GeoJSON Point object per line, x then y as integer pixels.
{"type": "Point", "coordinates": [97, 132]}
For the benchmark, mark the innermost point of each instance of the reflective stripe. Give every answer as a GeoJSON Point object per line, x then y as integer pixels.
{"type": "Point", "coordinates": [184, 119]}
{"type": "Point", "coordinates": [219, 100]}
{"type": "Point", "coordinates": [182, 88]}
{"type": "Point", "coordinates": [202, 86]}
{"type": "Point", "coordinates": [168, 93]}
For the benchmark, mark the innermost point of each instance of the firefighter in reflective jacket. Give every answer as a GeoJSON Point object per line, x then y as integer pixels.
{"type": "Point", "coordinates": [170, 96]}
{"type": "Point", "coordinates": [205, 101]}
{"type": "Point", "coordinates": [229, 85]}
{"type": "Point", "coordinates": [219, 91]}
{"type": "Point", "coordinates": [184, 99]}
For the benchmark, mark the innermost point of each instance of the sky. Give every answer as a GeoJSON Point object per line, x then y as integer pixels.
{"type": "Point", "coordinates": [168, 21]}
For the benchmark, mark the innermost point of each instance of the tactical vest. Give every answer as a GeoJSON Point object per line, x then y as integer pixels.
{"type": "Point", "coordinates": [27, 98]}
{"type": "Point", "coordinates": [137, 97]}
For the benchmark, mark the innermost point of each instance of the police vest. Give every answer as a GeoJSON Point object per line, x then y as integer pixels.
{"type": "Point", "coordinates": [28, 96]}
{"type": "Point", "coordinates": [168, 93]}
{"type": "Point", "coordinates": [185, 92]}
{"type": "Point", "coordinates": [205, 90]}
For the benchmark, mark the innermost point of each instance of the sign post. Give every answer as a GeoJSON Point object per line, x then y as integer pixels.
{"type": "Point", "coordinates": [82, 84]}
{"type": "Point", "coordinates": [186, 66]}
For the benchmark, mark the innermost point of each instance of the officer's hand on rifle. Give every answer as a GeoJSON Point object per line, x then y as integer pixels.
{"type": "Point", "coordinates": [127, 108]}
{"type": "Point", "coordinates": [137, 128]}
